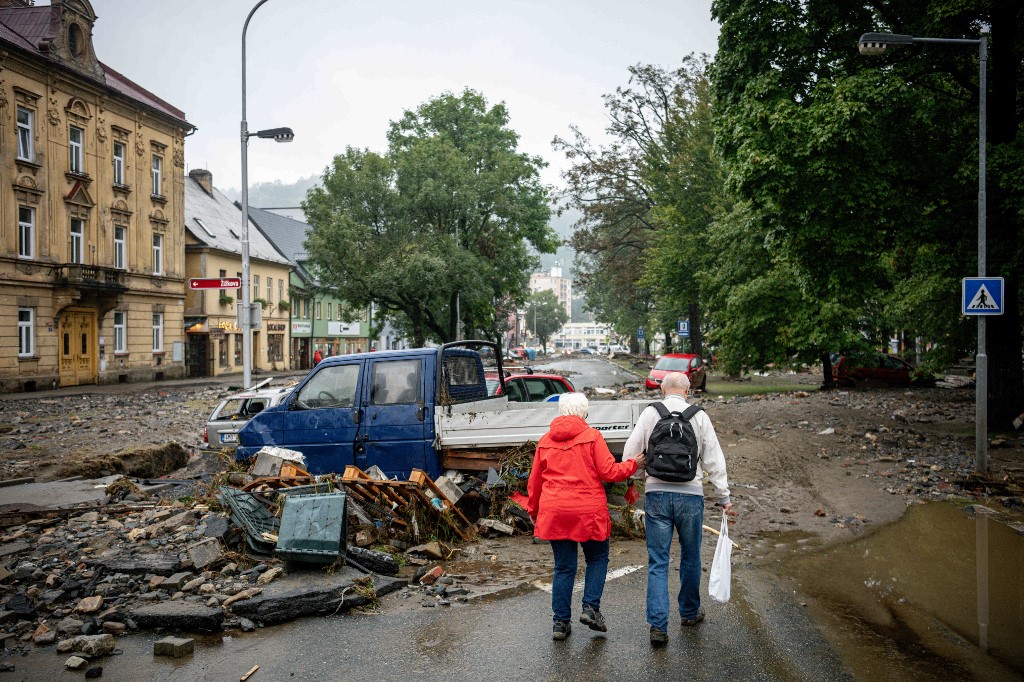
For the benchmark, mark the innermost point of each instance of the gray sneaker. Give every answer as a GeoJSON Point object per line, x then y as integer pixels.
{"type": "Point", "coordinates": [658, 637]}
{"type": "Point", "coordinates": [561, 629]}
{"type": "Point", "coordinates": [593, 619]}
{"type": "Point", "coordinates": [688, 622]}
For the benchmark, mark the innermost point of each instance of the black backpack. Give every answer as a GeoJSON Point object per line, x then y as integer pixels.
{"type": "Point", "coordinates": [672, 449]}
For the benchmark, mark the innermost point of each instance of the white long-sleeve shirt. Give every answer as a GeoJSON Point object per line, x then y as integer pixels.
{"type": "Point", "coordinates": [711, 458]}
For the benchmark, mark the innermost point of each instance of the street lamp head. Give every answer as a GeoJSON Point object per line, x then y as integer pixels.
{"type": "Point", "coordinates": [277, 134]}
{"type": "Point", "coordinates": [878, 43]}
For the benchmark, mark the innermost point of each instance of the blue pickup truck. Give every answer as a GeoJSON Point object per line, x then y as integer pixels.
{"type": "Point", "coordinates": [375, 408]}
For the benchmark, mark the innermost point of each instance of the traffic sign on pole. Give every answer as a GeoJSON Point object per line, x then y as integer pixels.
{"type": "Point", "coordinates": [215, 283]}
{"type": "Point", "coordinates": [982, 296]}
{"type": "Point", "coordinates": [684, 328]}
{"type": "Point", "coordinates": [640, 334]}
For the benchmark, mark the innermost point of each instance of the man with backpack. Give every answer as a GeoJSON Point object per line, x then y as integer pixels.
{"type": "Point", "coordinates": [680, 446]}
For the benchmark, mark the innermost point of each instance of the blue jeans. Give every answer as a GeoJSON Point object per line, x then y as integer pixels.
{"type": "Point", "coordinates": [664, 512]}
{"type": "Point", "coordinates": [566, 557]}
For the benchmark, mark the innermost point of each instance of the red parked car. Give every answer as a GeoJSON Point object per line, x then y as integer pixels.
{"type": "Point", "coordinates": [872, 370]}
{"type": "Point", "coordinates": [530, 387]}
{"type": "Point", "coordinates": [692, 365]}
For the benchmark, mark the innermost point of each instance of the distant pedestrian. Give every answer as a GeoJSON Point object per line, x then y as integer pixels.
{"type": "Point", "coordinates": [676, 506]}
{"type": "Point", "coordinates": [317, 357]}
{"type": "Point", "coordinates": [568, 505]}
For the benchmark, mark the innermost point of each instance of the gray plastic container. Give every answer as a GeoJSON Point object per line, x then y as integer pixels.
{"type": "Point", "coordinates": [313, 528]}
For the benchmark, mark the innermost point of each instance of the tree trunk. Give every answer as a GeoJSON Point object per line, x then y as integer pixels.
{"type": "Point", "coordinates": [417, 329]}
{"type": "Point", "coordinates": [696, 338]}
{"type": "Point", "coordinates": [668, 342]}
{"type": "Point", "coordinates": [826, 371]}
{"type": "Point", "coordinates": [1003, 333]}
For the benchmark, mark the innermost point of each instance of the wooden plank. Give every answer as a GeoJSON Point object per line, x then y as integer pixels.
{"type": "Point", "coordinates": [469, 460]}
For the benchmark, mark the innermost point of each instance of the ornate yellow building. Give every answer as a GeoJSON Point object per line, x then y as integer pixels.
{"type": "Point", "coordinates": [92, 236]}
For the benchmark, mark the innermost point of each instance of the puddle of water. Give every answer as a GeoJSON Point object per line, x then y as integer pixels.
{"type": "Point", "coordinates": [917, 587]}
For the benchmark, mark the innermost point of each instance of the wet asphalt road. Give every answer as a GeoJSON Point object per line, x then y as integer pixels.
{"type": "Point", "coordinates": [760, 635]}
{"type": "Point", "coordinates": [588, 371]}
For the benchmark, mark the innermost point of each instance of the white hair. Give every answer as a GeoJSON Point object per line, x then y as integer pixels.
{"type": "Point", "coordinates": [573, 403]}
{"type": "Point", "coordinates": [676, 383]}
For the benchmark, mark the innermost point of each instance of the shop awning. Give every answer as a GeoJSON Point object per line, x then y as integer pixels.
{"type": "Point", "coordinates": [196, 325]}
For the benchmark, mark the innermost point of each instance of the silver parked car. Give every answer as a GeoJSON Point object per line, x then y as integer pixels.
{"type": "Point", "coordinates": [222, 427]}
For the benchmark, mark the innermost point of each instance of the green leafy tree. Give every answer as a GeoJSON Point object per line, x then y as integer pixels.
{"type": "Point", "coordinates": [628, 194]}
{"type": "Point", "coordinates": [438, 228]}
{"type": "Point", "coordinates": [545, 315]}
{"type": "Point", "coordinates": [859, 174]}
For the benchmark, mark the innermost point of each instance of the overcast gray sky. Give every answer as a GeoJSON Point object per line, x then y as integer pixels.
{"type": "Point", "coordinates": [337, 72]}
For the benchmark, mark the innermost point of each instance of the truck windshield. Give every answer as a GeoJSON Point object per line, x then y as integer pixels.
{"type": "Point", "coordinates": [331, 387]}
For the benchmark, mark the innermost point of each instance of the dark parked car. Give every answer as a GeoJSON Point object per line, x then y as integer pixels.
{"type": "Point", "coordinates": [692, 365]}
{"type": "Point", "coordinates": [872, 370]}
{"type": "Point", "coordinates": [529, 388]}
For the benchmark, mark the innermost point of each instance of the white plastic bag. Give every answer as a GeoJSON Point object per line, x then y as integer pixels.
{"type": "Point", "coordinates": [719, 583]}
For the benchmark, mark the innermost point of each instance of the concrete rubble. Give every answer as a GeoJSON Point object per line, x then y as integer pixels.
{"type": "Point", "coordinates": [76, 579]}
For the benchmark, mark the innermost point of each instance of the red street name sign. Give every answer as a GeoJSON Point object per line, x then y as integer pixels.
{"type": "Point", "coordinates": [215, 283]}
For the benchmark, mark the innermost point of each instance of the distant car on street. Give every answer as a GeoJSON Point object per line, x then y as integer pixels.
{"type": "Point", "coordinates": [587, 351]}
{"type": "Point", "coordinates": [529, 387]}
{"type": "Point", "coordinates": [692, 365]}
{"type": "Point", "coordinates": [877, 369]}
{"type": "Point", "coordinates": [221, 430]}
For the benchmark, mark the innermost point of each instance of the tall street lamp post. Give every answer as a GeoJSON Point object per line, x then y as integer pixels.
{"type": "Point", "coordinates": [278, 135]}
{"type": "Point", "coordinates": [878, 43]}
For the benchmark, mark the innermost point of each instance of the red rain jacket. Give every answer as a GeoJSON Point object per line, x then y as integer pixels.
{"type": "Point", "coordinates": [567, 500]}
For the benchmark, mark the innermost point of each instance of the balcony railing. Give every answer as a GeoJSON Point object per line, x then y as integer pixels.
{"type": "Point", "coordinates": [89, 277]}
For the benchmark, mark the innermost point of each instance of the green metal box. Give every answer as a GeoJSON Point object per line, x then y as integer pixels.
{"type": "Point", "coordinates": [313, 528]}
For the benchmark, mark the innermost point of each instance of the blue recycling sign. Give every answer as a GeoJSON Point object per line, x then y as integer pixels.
{"type": "Point", "coordinates": [684, 328]}
{"type": "Point", "coordinates": [982, 296]}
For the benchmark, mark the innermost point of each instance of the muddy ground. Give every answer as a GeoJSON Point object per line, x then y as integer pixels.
{"type": "Point", "coordinates": [829, 464]}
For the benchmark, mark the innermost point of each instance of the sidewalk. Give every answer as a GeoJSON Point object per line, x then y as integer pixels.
{"type": "Point", "coordinates": [230, 380]}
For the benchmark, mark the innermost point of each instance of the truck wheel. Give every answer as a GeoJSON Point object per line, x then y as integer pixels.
{"type": "Point", "coordinates": [372, 560]}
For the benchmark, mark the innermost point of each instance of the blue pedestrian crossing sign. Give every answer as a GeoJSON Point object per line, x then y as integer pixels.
{"type": "Point", "coordinates": [982, 296]}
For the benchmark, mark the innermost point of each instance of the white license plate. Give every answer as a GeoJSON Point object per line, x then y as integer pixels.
{"type": "Point", "coordinates": [229, 438]}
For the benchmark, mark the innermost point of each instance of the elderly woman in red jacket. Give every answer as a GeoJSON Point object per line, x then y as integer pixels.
{"type": "Point", "coordinates": [569, 508]}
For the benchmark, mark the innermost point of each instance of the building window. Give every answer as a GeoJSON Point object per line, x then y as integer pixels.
{"type": "Point", "coordinates": [223, 292]}
{"type": "Point", "coordinates": [26, 332]}
{"type": "Point", "coordinates": [77, 241]}
{"type": "Point", "coordinates": [158, 332]}
{"type": "Point", "coordinates": [237, 345]}
{"type": "Point", "coordinates": [158, 173]}
{"type": "Point", "coordinates": [119, 163]}
{"type": "Point", "coordinates": [318, 310]}
{"type": "Point", "coordinates": [255, 287]}
{"type": "Point", "coordinates": [120, 332]}
{"type": "Point", "coordinates": [270, 289]}
{"type": "Point", "coordinates": [75, 138]}
{"type": "Point", "coordinates": [158, 254]}
{"type": "Point", "coordinates": [305, 308]}
{"type": "Point", "coordinates": [119, 237]}
{"type": "Point", "coordinates": [75, 41]}
{"type": "Point", "coordinates": [280, 289]}
{"type": "Point", "coordinates": [275, 347]}
{"type": "Point", "coordinates": [330, 311]}
{"type": "Point", "coordinates": [26, 232]}
{"type": "Point", "coordinates": [25, 134]}
{"type": "Point", "coordinates": [222, 351]}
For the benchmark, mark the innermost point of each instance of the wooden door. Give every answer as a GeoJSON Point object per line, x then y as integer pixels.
{"type": "Point", "coordinates": [79, 350]}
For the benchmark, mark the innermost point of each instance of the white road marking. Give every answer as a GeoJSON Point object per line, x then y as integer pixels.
{"type": "Point", "coordinates": [545, 585]}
